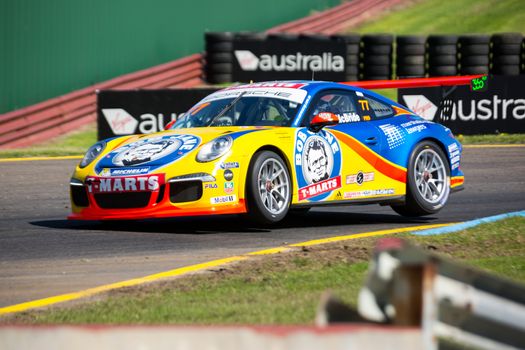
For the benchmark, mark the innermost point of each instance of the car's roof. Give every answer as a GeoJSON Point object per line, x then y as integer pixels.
{"type": "Point", "coordinates": [314, 86]}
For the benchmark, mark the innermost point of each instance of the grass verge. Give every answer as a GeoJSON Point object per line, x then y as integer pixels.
{"type": "Point", "coordinates": [450, 17]}
{"type": "Point", "coordinates": [283, 288]}
{"type": "Point", "coordinates": [75, 143]}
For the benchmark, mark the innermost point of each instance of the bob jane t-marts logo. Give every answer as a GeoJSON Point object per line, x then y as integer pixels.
{"type": "Point", "coordinates": [317, 164]}
{"type": "Point", "coordinates": [298, 62]}
{"type": "Point", "coordinates": [153, 152]}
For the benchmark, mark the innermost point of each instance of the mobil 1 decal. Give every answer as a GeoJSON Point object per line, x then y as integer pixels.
{"type": "Point", "coordinates": [317, 164]}
{"type": "Point", "coordinates": [147, 153]}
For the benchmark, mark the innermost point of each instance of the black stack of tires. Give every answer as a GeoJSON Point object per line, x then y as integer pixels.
{"type": "Point", "coordinates": [410, 56]}
{"type": "Point", "coordinates": [377, 57]}
{"type": "Point", "coordinates": [352, 55]}
{"type": "Point", "coordinates": [474, 54]}
{"type": "Point", "coordinates": [442, 55]}
{"type": "Point", "coordinates": [506, 51]}
{"type": "Point", "coordinates": [219, 57]}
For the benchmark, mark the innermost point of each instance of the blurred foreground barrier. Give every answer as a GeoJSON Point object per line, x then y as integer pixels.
{"type": "Point", "coordinates": [457, 306]}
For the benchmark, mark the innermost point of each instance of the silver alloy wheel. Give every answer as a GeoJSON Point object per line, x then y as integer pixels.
{"type": "Point", "coordinates": [274, 186]}
{"type": "Point", "coordinates": [431, 176]}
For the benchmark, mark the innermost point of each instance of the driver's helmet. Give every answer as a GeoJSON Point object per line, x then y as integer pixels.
{"type": "Point", "coordinates": [323, 107]}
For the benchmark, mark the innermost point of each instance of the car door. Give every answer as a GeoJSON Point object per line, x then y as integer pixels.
{"type": "Point", "coordinates": [330, 160]}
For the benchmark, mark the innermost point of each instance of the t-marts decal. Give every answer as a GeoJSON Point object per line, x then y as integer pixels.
{"type": "Point", "coordinates": [317, 164]}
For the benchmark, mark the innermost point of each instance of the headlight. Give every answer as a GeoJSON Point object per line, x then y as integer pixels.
{"type": "Point", "coordinates": [92, 153]}
{"type": "Point", "coordinates": [214, 149]}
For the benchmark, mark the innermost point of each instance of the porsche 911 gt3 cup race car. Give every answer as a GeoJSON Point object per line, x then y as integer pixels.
{"type": "Point", "coordinates": [268, 148]}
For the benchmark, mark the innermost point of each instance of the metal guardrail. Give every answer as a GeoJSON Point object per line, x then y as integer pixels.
{"type": "Point", "coordinates": [456, 306]}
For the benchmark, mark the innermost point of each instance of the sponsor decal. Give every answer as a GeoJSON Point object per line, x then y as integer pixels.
{"type": "Point", "coordinates": [125, 171]}
{"type": "Point", "coordinates": [319, 188]}
{"type": "Point", "coordinates": [369, 193]}
{"type": "Point", "coordinates": [148, 183]}
{"type": "Point", "coordinates": [210, 185]}
{"type": "Point", "coordinates": [289, 94]}
{"type": "Point", "coordinates": [415, 126]}
{"type": "Point", "coordinates": [228, 175]}
{"type": "Point", "coordinates": [317, 161]}
{"type": "Point", "coordinates": [455, 155]}
{"type": "Point", "coordinates": [229, 165]}
{"type": "Point", "coordinates": [228, 187]}
{"type": "Point", "coordinates": [395, 135]}
{"type": "Point", "coordinates": [349, 117]}
{"type": "Point", "coordinates": [421, 105]}
{"type": "Point", "coordinates": [298, 62]}
{"type": "Point", "coordinates": [359, 178]}
{"type": "Point", "coordinates": [223, 199]}
{"type": "Point", "coordinates": [149, 153]}
{"type": "Point", "coordinates": [288, 85]}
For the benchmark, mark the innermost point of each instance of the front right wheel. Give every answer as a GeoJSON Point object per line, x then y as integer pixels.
{"type": "Point", "coordinates": [428, 181]}
{"type": "Point", "coordinates": [269, 188]}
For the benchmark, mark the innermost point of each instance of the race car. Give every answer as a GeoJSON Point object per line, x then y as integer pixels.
{"type": "Point", "coordinates": [266, 149]}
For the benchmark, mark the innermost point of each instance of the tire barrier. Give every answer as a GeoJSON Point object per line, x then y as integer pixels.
{"type": "Point", "coordinates": [506, 53]}
{"type": "Point", "coordinates": [353, 49]}
{"type": "Point", "coordinates": [442, 55]}
{"type": "Point", "coordinates": [376, 56]}
{"type": "Point", "coordinates": [410, 56]}
{"type": "Point", "coordinates": [474, 54]}
{"type": "Point", "coordinates": [219, 57]}
{"type": "Point", "coordinates": [369, 57]}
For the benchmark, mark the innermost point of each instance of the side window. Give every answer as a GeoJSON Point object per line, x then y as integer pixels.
{"type": "Point", "coordinates": [380, 109]}
{"type": "Point", "coordinates": [341, 103]}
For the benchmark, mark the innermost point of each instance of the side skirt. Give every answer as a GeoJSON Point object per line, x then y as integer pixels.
{"type": "Point", "coordinates": [366, 201]}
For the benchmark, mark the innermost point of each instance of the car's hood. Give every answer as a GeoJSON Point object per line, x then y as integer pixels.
{"type": "Point", "coordinates": [144, 153]}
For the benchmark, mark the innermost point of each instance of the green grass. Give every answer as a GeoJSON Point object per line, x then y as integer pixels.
{"type": "Point", "coordinates": [75, 143]}
{"type": "Point", "coordinates": [285, 288]}
{"type": "Point", "coordinates": [450, 17]}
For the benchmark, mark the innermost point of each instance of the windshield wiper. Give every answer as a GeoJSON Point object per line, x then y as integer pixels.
{"type": "Point", "coordinates": [227, 108]}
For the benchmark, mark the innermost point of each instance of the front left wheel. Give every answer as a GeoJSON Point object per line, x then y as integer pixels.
{"type": "Point", "coordinates": [269, 188]}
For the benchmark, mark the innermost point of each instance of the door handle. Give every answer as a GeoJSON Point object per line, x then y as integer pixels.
{"type": "Point", "coordinates": [371, 140]}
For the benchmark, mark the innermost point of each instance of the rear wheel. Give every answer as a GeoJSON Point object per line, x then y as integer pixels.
{"type": "Point", "coordinates": [269, 188]}
{"type": "Point", "coordinates": [428, 182]}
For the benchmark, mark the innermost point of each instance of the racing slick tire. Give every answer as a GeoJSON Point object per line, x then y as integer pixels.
{"type": "Point", "coordinates": [428, 181]}
{"type": "Point", "coordinates": [269, 188]}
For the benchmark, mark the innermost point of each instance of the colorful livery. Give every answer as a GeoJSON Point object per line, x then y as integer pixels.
{"type": "Point", "coordinates": [268, 148]}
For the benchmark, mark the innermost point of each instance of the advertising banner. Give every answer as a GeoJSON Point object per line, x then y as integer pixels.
{"type": "Point", "coordinates": [280, 59]}
{"type": "Point", "coordinates": [126, 112]}
{"type": "Point", "coordinates": [498, 108]}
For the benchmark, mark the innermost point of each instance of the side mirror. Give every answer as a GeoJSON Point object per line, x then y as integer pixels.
{"type": "Point", "coordinates": [170, 124]}
{"type": "Point", "coordinates": [323, 119]}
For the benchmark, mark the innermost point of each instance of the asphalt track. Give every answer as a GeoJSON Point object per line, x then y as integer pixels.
{"type": "Point", "coordinates": [42, 254]}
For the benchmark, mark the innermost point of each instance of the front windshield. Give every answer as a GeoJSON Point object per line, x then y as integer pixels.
{"type": "Point", "coordinates": [244, 107]}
